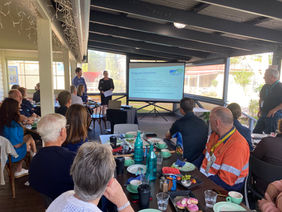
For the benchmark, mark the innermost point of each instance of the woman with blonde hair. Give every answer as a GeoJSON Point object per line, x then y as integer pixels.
{"type": "Point", "coordinates": [81, 93]}
{"type": "Point", "coordinates": [77, 120]}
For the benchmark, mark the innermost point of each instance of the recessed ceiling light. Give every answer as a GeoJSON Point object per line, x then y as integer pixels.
{"type": "Point", "coordinates": [179, 25]}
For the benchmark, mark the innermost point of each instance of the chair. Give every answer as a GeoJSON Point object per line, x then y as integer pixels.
{"type": "Point", "coordinates": [116, 117]}
{"type": "Point", "coordinates": [123, 128]}
{"type": "Point", "coordinates": [99, 116]}
{"type": "Point", "coordinates": [259, 169]}
{"type": "Point", "coordinates": [7, 151]}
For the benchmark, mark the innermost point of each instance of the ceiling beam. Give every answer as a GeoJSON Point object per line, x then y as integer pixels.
{"type": "Point", "coordinates": [170, 31]}
{"type": "Point", "coordinates": [257, 20]}
{"type": "Point", "coordinates": [199, 7]}
{"type": "Point", "coordinates": [146, 46]}
{"type": "Point", "coordinates": [270, 8]}
{"type": "Point", "coordinates": [135, 51]}
{"type": "Point", "coordinates": [189, 18]}
{"type": "Point", "coordinates": [158, 39]}
{"type": "Point", "coordinates": [131, 56]}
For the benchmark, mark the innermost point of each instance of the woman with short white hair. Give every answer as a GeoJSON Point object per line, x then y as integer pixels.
{"type": "Point", "coordinates": [92, 172]}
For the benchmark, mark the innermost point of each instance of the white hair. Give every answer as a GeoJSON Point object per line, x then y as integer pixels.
{"type": "Point", "coordinates": [50, 126]}
{"type": "Point", "coordinates": [273, 72]}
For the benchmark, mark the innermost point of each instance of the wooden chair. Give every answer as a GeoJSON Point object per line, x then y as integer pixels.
{"type": "Point", "coordinates": [99, 116]}
{"type": "Point", "coordinates": [11, 169]}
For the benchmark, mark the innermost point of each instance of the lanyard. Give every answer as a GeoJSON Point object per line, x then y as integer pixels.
{"type": "Point", "coordinates": [222, 140]}
{"type": "Point", "coordinates": [270, 88]}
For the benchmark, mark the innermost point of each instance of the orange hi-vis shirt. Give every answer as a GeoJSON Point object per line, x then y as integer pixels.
{"type": "Point", "coordinates": [231, 163]}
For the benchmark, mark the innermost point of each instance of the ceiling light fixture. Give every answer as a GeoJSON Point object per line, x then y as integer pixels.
{"type": "Point", "coordinates": [179, 25]}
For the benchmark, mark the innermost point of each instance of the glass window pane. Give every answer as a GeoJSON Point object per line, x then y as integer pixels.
{"type": "Point", "coordinates": [205, 80]}
{"type": "Point", "coordinates": [31, 68]}
{"type": "Point", "coordinates": [22, 81]}
{"type": "Point", "coordinates": [60, 83]}
{"type": "Point", "coordinates": [31, 81]}
{"type": "Point", "coordinates": [98, 61]}
{"type": "Point", "coordinates": [60, 68]}
{"type": "Point", "coordinates": [246, 78]}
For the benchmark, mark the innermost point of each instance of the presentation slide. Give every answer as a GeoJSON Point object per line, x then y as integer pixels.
{"type": "Point", "coordinates": [156, 81]}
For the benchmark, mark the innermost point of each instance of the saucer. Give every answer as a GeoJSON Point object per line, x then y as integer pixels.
{"type": "Point", "coordinates": [128, 188]}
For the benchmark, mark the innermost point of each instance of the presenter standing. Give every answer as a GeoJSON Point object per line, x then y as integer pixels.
{"type": "Point", "coordinates": [106, 87]}
{"type": "Point", "coordinates": [79, 80]}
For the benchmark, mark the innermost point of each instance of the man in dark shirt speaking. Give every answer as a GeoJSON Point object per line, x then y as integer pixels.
{"type": "Point", "coordinates": [270, 108]}
{"type": "Point", "coordinates": [194, 131]}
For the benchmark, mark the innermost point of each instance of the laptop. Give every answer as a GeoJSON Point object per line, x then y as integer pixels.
{"type": "Point", "coordinates": [114, 104]}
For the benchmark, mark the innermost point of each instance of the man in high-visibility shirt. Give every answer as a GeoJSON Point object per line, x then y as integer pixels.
{"type": "Point", "coordinates": [226, 156]}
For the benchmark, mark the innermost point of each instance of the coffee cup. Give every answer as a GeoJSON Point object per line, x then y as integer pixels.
{"type": "Point", "coordinates": [128, 161]}
{"type": "Point", "coordinates": [165, 153]}
{"type": "Point", "coordinates": [161, 144]}
{"type": "Point", "coordinates": [134, 184]}
{"type": "Point", "coordinates": [235, 197]}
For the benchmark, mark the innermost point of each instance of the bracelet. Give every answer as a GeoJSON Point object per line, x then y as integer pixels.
{"type": "Point", "coordinates": [124, 206]}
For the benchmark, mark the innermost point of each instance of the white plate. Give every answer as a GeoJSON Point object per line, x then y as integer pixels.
{"type": "Point", "coordinates": [155, 140]}
{"type": "Point", "coordinates": [134, 168]}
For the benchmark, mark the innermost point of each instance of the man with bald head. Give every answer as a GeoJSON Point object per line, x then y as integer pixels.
{"type": "Point", "coordinates": [226, 155]}
{"type": "Point", "coordinates": [16, 95]}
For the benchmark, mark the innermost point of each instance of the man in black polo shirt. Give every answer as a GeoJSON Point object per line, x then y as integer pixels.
{"type": "Point", "coordinates": [194, 131]}
{"type": "Point", "coordinates": [270, 108]}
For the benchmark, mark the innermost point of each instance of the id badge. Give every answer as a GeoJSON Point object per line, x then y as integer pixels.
{"type": "Point", "coordinates": [261, 104]}
{"type": "Point", "coordinates": [211, 160]}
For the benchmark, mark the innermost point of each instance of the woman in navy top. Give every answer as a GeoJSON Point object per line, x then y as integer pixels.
{"type": "Point", "coordinates": [77, 119]}
{"type": "Point", "coordinates": [13, 131]}
{"type": "Point", "coordinates": [26, 106]}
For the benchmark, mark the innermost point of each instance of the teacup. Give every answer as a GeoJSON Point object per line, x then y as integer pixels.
{"type": "Point", "coordinates": [134, 184]}
{"type": "Point", "coordinates": [128, 161]}
{"type": "Point", "coordinates": [165, 153]}
{"type": "Point", "coordinates": [235, 197]}
{"type": "Point", "coordinates": [161, 144]}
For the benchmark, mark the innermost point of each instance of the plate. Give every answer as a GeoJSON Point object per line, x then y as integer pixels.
{"type": "Point", "coordinates": [155, 140]}
{"type": "Point", "coordinates": [128, 188]}
{"type": "Point", "coordinates": [161, 147]}
{"type": "Point", "coordinates": [175, 196]}
{"type": "Point", "coordinates": [149, 210]}
{"type": "Point", "coordinates": [227, 206]}
{"type": "Point", "coordinates": [186, 168]}
{"type": "Point", "coordinates": [134, 168]}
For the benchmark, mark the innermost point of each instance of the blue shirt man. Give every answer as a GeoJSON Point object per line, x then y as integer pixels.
{"type": "Point", "coordinates": [78, 80]}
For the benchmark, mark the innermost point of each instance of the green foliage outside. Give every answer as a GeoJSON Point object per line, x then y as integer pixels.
{"type": "Point", "coordinates": [243, 78]}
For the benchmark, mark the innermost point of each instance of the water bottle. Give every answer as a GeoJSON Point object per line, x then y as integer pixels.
{"type": "Point", "coordinates": [151, 164]}
{"type": "Point", "coordinates": [138, 149]}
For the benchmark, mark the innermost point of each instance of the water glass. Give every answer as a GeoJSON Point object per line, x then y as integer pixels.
{"type": "Point", "coordinates": [162, 198]}
{"type": "Point", "coordinates": [159, 162]}
{"type": "Point", "coordinates": [210, 198]}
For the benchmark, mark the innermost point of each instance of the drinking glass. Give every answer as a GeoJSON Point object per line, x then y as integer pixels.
{"type": "Point", "coordinates": [210, 198]}
{"type": "Point", "coordinates": [162, 198]}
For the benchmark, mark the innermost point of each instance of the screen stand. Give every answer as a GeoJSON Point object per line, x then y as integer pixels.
{"type": "Point", "coordinates": [154, 111]}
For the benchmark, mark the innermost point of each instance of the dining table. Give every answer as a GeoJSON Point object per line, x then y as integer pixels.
{"type": "Point", "coordinates": [197, 190]}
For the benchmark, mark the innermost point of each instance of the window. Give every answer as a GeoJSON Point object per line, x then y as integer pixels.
{"type": "Point", "coordinates": [246, 78]}
{"type": "Point", "coordinates": [26, 74]}
{"type": "Point", "coordinates": [58, 75]}
{"type": "Point", "coordinates": [204, 80]}
{"type": "Point", "coordinates": [98, 61]}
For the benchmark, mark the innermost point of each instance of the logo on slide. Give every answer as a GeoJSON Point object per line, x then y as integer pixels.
{"type": "Point", "coordinates": [176, 71]}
